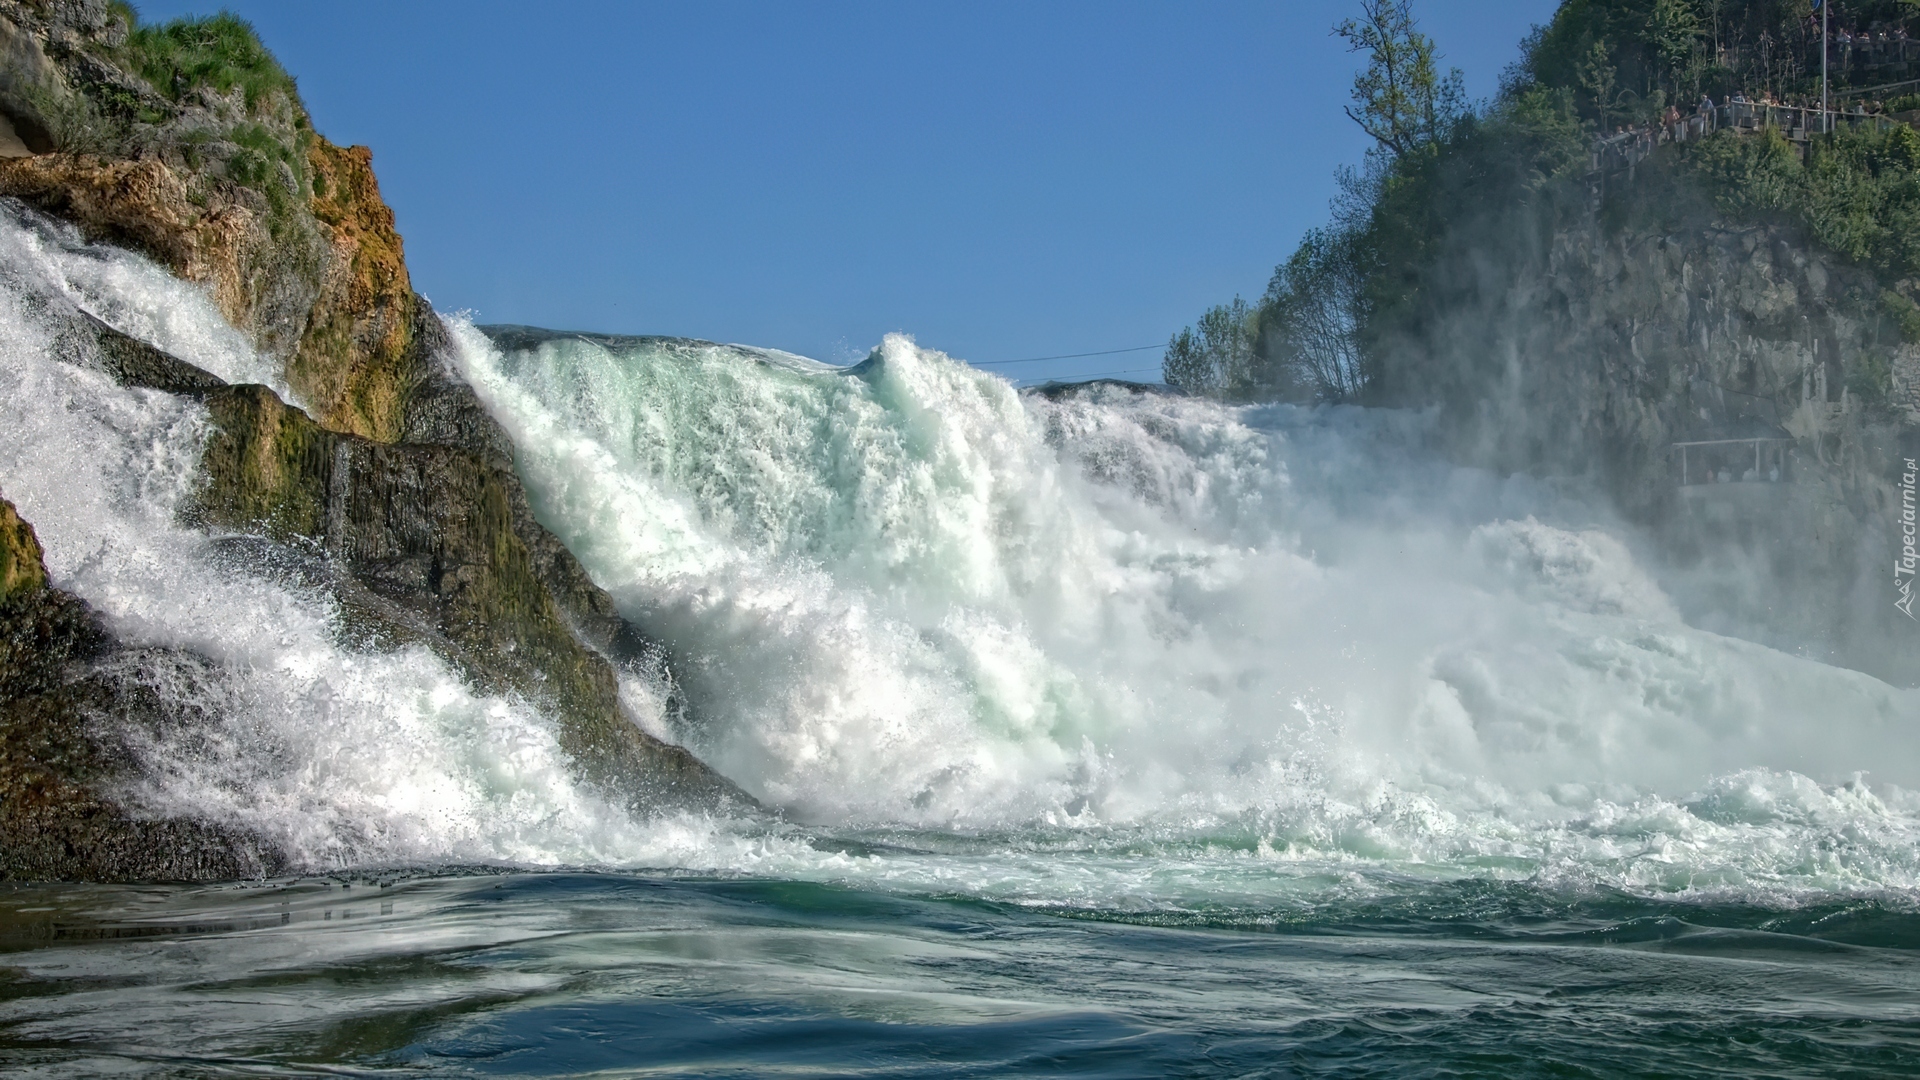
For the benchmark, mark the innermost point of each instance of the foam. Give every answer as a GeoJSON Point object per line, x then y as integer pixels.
{"type": "Point", "coordinates": [905, 595]}
{"type": "Point", "coordinates": [1116, 649]}
{"type": "Point", "coordinates": [346, 757]}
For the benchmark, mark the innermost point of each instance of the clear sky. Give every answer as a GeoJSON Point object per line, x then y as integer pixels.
{"type": "Point", "coordinates": [1001, 180]}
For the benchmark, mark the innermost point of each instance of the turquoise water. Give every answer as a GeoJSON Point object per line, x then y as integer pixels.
{"type": "Point", "coordinates": [630, 974]}
{"type": "Point", "coordinates": [1111, 734]}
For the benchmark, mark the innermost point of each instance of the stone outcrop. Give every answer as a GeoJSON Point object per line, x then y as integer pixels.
{"type": "Point", "coordinates": [21, 568]}
{"type": "Point", "coordinates": [1587, 352]}
{"type": "Point", "coordinates": [27, 80]}
{"type": "Point", "coordinates": [67, 705]}
{"type": "Point", "coordinates": [352, 367]}
{"type": "Point", "coordinates": [390, 488]}
{"type": "Point", "coordinates": [433, 542]}
{"type": "Point", "coordinates": [146, 206]}
{"type": "Point", "coordinates": [439, 544]}
{"type": "Point", "coordinates": [229, 187]}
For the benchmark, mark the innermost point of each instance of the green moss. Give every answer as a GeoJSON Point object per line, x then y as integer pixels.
{"type": "Point", "coordinates": [1870, 376]}
{"type": "Point", "coordinates": [265, 467]}
{"type": "Point", "coordinates": [1904, 313]}
{"type": "Point", "coordinates": [274, 167]}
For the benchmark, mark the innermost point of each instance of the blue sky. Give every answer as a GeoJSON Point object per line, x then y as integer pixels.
{"type": "Point", "coordinates": [1001, 180]}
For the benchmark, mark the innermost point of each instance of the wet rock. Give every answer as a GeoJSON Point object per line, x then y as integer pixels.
{"type": "Point", "coordinates": [442, 539]}
{"type": "Point", "coordinates": [61, 760]}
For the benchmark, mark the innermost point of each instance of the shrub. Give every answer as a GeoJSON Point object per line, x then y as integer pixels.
{"type": "Point", "coordinates": [1904, 313]}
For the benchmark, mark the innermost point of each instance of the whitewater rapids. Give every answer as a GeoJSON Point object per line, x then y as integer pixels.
{"type": "Point", "coordinates": [1118, 647]}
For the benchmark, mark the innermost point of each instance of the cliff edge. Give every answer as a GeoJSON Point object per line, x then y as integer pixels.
{"type": "Point", "coordinates": [383, 479]}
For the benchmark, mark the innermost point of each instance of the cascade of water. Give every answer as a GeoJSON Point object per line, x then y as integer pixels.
{"type": "Point", "coordinates": [905, 592]}
{"type": "Point", "coordinates": [1147, 642]}
{"type": "Point", "coordinates": [342, 755]}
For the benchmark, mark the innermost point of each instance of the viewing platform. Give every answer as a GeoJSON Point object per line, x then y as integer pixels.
{"type": "Point", "coordinates": [1798, 124]}
{"type": "Point", "coordinates": [1709, 463]}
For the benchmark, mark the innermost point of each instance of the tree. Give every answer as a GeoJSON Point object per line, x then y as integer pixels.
{"type": "Point", "coordinates": [1217, 359]}
{"type": "Point", "coordinates": [1308, 342]}
{"type": "Point", "coordinates": [1402, 100]}
{"type": "Point", "coordinates": [1674, 32]}
{"type": "Point", "coordinates": [1597, 75]}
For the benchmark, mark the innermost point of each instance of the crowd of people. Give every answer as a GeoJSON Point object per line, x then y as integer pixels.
{"type": "Point", "coordinates": [1632, 141]}
{"type": "Point", "coordinates": [1870, 44]}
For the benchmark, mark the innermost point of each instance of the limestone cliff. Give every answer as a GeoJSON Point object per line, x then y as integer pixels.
{"type": "Point", "coordinates": [1595, 348]}
{"type": "Point", "coordinates": [383, 482]}
{"type": "Point", "coordinates": [218, 174]}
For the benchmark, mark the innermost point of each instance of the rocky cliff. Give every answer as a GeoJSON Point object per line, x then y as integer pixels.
{"type": "Point", "coordinates": [382, 482]}
{"type": "Point", "coordinates": [1737, 391]}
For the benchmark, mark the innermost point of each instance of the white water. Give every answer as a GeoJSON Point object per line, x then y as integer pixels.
{"type": "Point", "coordinates": [345, 757]}
{"type": "Point", "coordinates": [909, 595]}
{"type": "Point", "coordinates": [1120, 647]}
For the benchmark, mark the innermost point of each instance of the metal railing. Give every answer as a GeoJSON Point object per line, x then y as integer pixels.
{"type": "Point", "coordinates": [1623, 150]}
{"type": "Point", "coordinates": [1719, 458]}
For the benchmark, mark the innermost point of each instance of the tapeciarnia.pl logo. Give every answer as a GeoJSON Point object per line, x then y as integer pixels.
{"type": "Point", "coordinates": [1904, 566]}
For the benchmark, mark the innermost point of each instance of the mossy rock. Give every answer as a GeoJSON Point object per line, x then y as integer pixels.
{"type": "Point", "coordinates": [59, 762]}
{"type": "Point", "coordinates": [356, 364]}
{"type": "Point", "coordinates": [443, 539]}
{"type": "Point", "coordinates": [21, 567]}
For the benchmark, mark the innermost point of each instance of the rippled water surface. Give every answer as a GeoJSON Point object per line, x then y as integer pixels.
{"type": "Point", "coordinates": [568, 974]}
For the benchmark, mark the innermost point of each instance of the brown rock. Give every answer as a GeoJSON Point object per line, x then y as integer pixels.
{"type": "Point", "coordinates": [353, 368]}
{"type": "Point", "coordinates": [21, 568]}
{"type": "Point", "coordinates": [146, 206]}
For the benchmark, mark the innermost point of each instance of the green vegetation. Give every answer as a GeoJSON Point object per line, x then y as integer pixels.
{"type": "Point", "coordinates": [1507, 172]}
{"type": "Point", "coordinates": [1218, 356]}
{"type": "Point", "coordinates": [187, 111]}
{"type": "Point", "coordinates": [220, 53]}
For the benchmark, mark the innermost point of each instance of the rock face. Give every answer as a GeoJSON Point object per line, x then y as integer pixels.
{"type": "Point", "coordinates": [418, 543]}
{"type": "Point", "coordinates": [352, 366]}
{"type": "Point", "coordinates": [437, 543]}
{"type": "Point", "coordinates": [223, 184]}
{"type": "Point", "coordinates": [391, 488]}
{"type": "Point", "coordinates": [28, 80]}
{"type": "Point", "coordinates": [67, 706]}
{"type": "Point", "coordinates": [21, 568]}
{"type": "Point", "coordinates": [1592, 351]}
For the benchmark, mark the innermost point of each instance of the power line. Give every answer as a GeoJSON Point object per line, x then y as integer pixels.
{"type": "Point", "coordinates": [1067, 356]}
{"type": "Point", "coordinates": [1104, 374]}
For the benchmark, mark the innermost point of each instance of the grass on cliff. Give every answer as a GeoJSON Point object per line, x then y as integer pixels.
{"type": "Point", "coordinates": [221, 52]}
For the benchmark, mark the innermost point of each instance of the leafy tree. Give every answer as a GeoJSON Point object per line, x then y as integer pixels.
{"type": "Point", "coordinates": [1216, 359]}
{"type": "Point", "coordinates": [1673, 35]}
{"type": "Point", "coordinates": [1402, 100]}
{"type": "Point", "coordinates": [1308, 344]}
